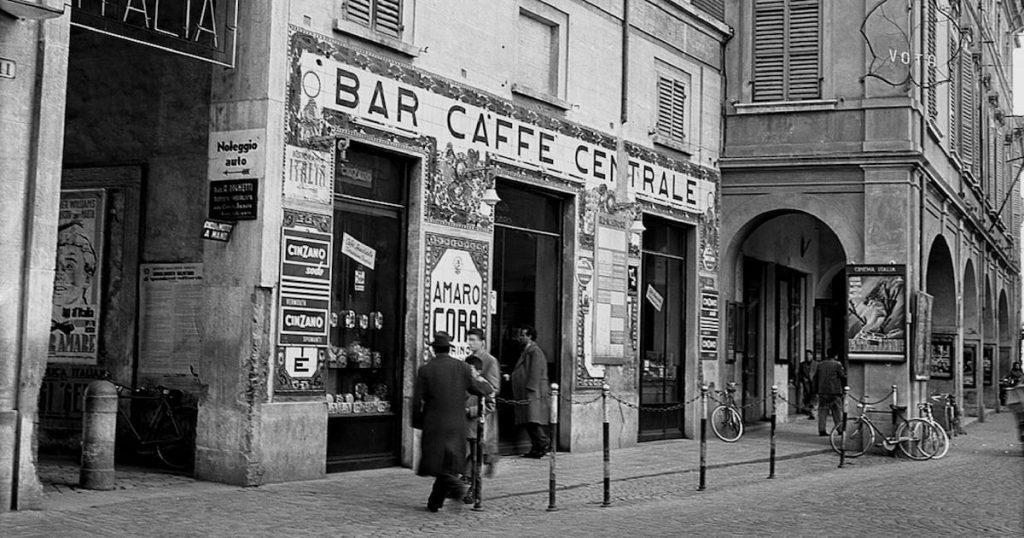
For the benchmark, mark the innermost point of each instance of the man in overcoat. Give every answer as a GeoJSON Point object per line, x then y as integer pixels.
{"type": "Point", "coordinates": [828, 383]}
{"type": "Point", "coordinates": [530, 384]}
{"type": "Point", "coordinates": [439, 409]}
{"type": "Point", "coordinates": [488, 367]}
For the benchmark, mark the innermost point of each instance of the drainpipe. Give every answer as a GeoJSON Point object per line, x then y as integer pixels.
{"type": "Point", "coordinates": [621, 186]}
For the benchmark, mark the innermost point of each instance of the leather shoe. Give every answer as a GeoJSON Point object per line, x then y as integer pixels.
{"type": "Point", "coordinates": [534, 455]}
{"type": "Point", "coordinates": [822, 434]}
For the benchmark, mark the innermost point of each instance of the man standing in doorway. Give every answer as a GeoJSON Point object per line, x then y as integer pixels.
{"type": "Point", "coordinates": [530, 384]}
{"type": "Point", "coordinates": [439, 409]}
{"type": "Point", "coordinates": [805, 373]}
{"type": "Point", "coordinates": [828, 382]}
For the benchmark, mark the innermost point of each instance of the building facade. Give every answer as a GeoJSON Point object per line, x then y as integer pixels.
{"type": "Point", "coordinates": [870, 198]}
{"type": "Point", "coordinates": [271, 206]}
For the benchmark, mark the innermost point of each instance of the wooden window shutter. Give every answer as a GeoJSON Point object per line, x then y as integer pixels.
{"type": "Point", "coordinates": [954, 96]}
{"type": "Point", "coordinates": [803, 50]}
{"type": "Point", "coordinates": [358, 11]}
{"type": "Point", "coordinates": [671, 108]}
{"type": "Point", "coordinates": [968, 142]}
{"type": "Point", "coordinates": [769, 50]}
{"type": "Point", "coordinates": [387, 17]}
{"type": "Point", "coordinates": [931, 69]}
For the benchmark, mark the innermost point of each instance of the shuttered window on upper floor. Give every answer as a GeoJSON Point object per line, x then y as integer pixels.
{"type": "Point", "coordinates": [954, 96]}
{"type": "Point", "coordinates": [671, 108]}
{"type": "Point", "coordinates": [787, 50]}
{"type": "Point", "coordinates": [931, 65]}
{"type": "Point", "coordinates": [715, 8]}
{"type": "Point", "coordinates": [384, 16]}
{"type": "Point", "coordinates": [968, 140]}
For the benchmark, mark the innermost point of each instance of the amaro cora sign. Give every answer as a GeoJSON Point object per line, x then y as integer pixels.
{"type": "Point", "coordinates": [377, 99]}
{"type": "Point", "coordinates": [456, 290]}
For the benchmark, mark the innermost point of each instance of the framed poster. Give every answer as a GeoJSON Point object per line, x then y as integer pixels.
{"type": "Point", "coordinates": [455, 293]}
{"type": "Point", "coordinates": [987, 356]}
{"type": "Point", "coordinates": [970, 366]}
{"type": "Point", "coordinates": [922, 336]}
{"type": "Point", "coordinates": [940, 360]}
{"type": "Point", "coordinates": [876, 313]}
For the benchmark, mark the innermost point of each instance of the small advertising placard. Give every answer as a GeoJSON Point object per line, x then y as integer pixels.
{"type": "Point", "coordinates": [234, 199]}
{"type": "Point", "coordinates": [236, 154]}
{"type": "Point", "coordinates": [708, 324]}
{"type": "Point", "coordinates": [217, 231]}
{"type": "Point", "coordinates": [353, 248]}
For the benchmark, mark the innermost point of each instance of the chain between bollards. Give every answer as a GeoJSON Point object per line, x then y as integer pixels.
{"type": "Point", "coordinates": [606, 443]}
{"type": "Point", "coordinates": [553, 447]}
{"type": "Point", "coordinates": [478, 456]}
{"type": "Point", "coordinates": [842, 429]}
{"type": "Point", "coordinates": [703, 437]}
{"type": "Point", "coordinates": [771, 453]}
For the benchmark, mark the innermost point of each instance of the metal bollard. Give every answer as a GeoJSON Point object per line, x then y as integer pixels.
{"type": "Point", "coordinates": [554, 447]}
{"type": "Point", "coordinates": [894, 412]}
{"type": "Point", "coordinates": [606, 440]}
{"type": "Point", "coordinates": [703, 438]}
{"type": "Point", "coordinates": [842, 430]}
{"type": "Point", "coordinates": [478, 457]}
{"type": "Point", "coordinates": [99, 427]}
{"type": "Point", "coordinates": [771, 452]}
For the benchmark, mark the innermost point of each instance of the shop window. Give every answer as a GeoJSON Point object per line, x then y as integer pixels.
{"type": "Point", "coordinates": [671, 109]}
{"type": "Point", "coordinates": [383, 16]}
{"type": "Point", "coordinates": [528, 210]}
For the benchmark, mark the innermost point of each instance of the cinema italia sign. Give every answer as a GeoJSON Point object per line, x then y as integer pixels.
{"type": "Point", "coordinates": [200, 29]}
{"type": "Point", "coordinates": [384, 101]}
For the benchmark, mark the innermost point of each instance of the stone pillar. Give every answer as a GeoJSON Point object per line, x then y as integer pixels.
{"type": "Point", "coordinates": [32, 123]}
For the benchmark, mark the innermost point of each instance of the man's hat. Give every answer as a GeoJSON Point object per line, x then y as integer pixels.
{"type": "Point", "coordinates": [441, 339]}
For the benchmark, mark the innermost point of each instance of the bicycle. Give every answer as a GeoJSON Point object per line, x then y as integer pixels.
{"type": "Point", "coordinates": [941, 440]}
{"type": "Point", "coordinates": [912, 437]}
{"type": "Point", "coordinates": [163, 430]}
{"type": "Point", "coordinates": [726, 421]}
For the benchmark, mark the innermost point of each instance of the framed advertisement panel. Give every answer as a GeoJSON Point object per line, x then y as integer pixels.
{"type": "Point", "coordinates": [876, 313]}
{"type": "Point", "coordinates": [942, 356]}
{"type": "Point", "coordinates": [970, 366]}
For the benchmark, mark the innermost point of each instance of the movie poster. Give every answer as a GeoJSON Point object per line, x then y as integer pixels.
{"type": "Point", "coordinates": [74, 325]}
{"type": "Point", "coordinates": [876, 312]}
{"type": "Point", "coordinates": [941, 358]}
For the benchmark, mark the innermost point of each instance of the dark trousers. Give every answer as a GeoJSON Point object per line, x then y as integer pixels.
{"type": "Point", "coordinates": [829, 404]}
{"type": "Point", "coordinates": [807, 397]}
{"type": "Point", "coordinates": [539, 440]}
{"type": "Point", "coordinates": [445, 486]}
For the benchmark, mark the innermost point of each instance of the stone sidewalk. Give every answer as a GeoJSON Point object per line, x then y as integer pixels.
{"type": "Point", "coordinates": [516, 477]}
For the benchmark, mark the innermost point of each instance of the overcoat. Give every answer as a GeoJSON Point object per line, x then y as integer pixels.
{"type": "Point", "coordinates": [530, 382]}
{"type": "Point", "coordinates": [830, 378]}
{"type": "Point", "coordinates": [490, 371]}
{"type": "Point", "coordinates": [439, 409]}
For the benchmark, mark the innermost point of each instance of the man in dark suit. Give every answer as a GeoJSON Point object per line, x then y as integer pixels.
{"type": "Point", "coordinates": [530, 383]}
{"type": "Point", "coordinates": [439, 409]}
{"type": "Point", "coordinates": [828, 383]}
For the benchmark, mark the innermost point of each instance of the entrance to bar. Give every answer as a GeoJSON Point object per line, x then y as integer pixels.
{"type": "Point", "coordinates": [367, 303]}
{"type": "Point", "coordinates": [662, 323]}
{"type": "Point", "coordinates": [527, 282]}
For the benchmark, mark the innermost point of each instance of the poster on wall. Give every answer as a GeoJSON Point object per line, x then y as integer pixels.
{"type": "Point", "coordinates": [922, 336]}
{"type": "Point", "coordinates": [970, 366]}
{"type": "Point", "coordinates": [876, 312]}
{"type": "Point", "coordinates": [708, 325]}
{"type": "Point", "coordinates": [169, 304]}
{"type": "Point", "coordinates": [611, 321]}
{"type": "Point", "coordinates": [75, 318]}
{"type": "Point", "coordinates": [455, 290]}
{"type": "Point", "coordinates": [941, 357]}
{"type": "Point", "coordinates": [987, 356]}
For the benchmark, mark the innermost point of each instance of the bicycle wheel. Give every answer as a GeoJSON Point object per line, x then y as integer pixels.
{"type": "Point", "coordinates": [727, 424]}
{"type": "Point", "coordinates": [936, 442]}
{"type": "Point", "coordinates": [859, 437]}
{"type": "Point", "coordinates": [912, 439]}
{"type": "Point", "coordinates": [175, 439]}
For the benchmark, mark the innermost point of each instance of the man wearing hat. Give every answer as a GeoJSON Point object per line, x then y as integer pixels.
{"type": "Point", "coordinates": [439, 409]}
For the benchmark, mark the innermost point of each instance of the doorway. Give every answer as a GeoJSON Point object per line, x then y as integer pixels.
{"type": "Point", "coordinates": [662, 322]}
{"type": "Point", "coordinates": [527, 282]}
{"type": "Point", "coordinates": [752, 376]}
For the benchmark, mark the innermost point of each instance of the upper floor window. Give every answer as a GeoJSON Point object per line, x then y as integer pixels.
{"type": "Point", "coordinates": [787, 50]}
{"type": "Point", "coordinates": [541, 52]}
{"type": "Point", "coordinates": [671, 109]}
{"type": "Point", "coordinates": [383, 16]}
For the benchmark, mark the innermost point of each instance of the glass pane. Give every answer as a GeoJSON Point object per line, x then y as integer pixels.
{"type": "Point", "coordinates": [663, 237]}
{"type": "Point", "coordinates": [527, 209]}
{"type": "Point", "coordinates": [372, 175]}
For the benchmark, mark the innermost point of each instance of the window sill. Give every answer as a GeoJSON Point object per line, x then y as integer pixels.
{"type": "Point", "coordinates": [782, 107]}
{"type": "Point", "coordinates": [365, 34]}
{"type": "Point", "coordinates": [678, 145]}
{"type": "Point", "coordinates": [543, 97]}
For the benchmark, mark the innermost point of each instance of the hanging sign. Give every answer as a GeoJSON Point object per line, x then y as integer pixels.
{"type": "Point", "coordinates": [234, 199]}
{"type": "Point", "coordinates": [200, 29]}
{"type": "Point", "coordinates": [456, 290]}
{"type": "Point", "coordinates": [364, 254]}
{"type": "Point", "coordinates": [654, 298]}
{"type": "Point", "coordinates": [708, 325]}
{"type": "Point", "coordinates": [876, 313]}
{"type": "Point", "coordinates": [75, 318]}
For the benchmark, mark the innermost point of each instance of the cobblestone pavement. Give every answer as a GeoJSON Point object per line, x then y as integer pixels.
{"type": "Point", "coordinates": [978, 489]}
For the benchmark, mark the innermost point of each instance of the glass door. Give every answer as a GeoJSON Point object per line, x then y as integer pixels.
{"type": "Point", "coordinates": [526, 281]}
{"type": "Point", "coordinates": [662, 339]}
